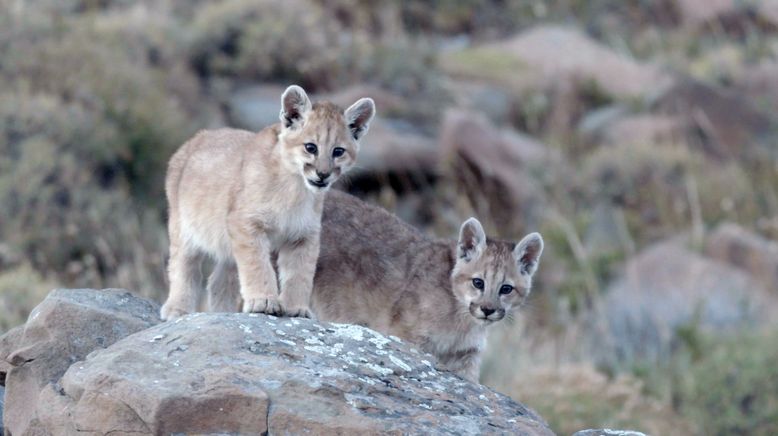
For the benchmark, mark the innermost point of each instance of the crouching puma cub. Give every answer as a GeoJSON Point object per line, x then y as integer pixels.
{"type": "Point", "coordinates": [241, 197]}
{"type": "Point", "coordinates": [378, 271]}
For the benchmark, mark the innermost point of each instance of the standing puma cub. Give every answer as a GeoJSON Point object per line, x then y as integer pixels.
{"type": "Point", "coordinates": [241, 197]}
{"type": "Point", "coordinates": [377, 271]}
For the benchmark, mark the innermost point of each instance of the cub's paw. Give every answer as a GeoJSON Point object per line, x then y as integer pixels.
{"type": "Point", "coordinates": [269, 306]}
{"type": "Point", "coordinates": [299, 312]}
{"type": "Point", "coordinates": [169, 312]}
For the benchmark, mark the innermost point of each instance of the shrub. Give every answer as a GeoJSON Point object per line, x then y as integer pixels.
{"type": "Point", "coordinates": [732, 388]}
{"type": "Point", "coordinates": [291, 41]}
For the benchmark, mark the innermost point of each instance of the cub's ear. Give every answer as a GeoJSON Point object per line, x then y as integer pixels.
{"type": "Point", "coordinates": [527, 253]}
{"type": "Point", "coordinates": [472, 240]}
{"type": "Point", "coordinates": [295, 104]}
{"type": "Point", "coordinates": [359, 115]}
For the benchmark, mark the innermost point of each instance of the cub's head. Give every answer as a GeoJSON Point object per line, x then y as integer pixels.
{"type": "Point", "coordinates": [490, 277]}
{"type": "Point", "coordinates": [320, 141]}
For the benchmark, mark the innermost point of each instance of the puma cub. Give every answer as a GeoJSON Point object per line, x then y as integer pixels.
{"type": "Point", "coordinates": [241, 198]}
{"type": "Point", "coordinates": [380, 272]}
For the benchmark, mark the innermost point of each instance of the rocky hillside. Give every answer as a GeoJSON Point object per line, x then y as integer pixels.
{"type": "Point", "coordinates": [640, 138]}
{"type": "Point", "coordinates": [100, 362]}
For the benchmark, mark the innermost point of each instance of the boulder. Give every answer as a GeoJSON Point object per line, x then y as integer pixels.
{"type": "Point", "coordinates": [667, 288]}
{"type": "Point", "coordinates": [388, 147]}
{"type": "Point", "coordinates": [256, 374]}
{"type": "Point", "coordinates": [500, 170]}
{"type": "Point", "coordinates": [2, 406]}
{"type": "Point", "coordinates": [63, 329]}
{"type": "Point", "coordinates": [547, 55]}
{"type": "Point", "coordinates": [254, 107]}
{"type": "Point", "coordinates": [706, 114]}
{"type": "Point", "coordinates": [746, 250]}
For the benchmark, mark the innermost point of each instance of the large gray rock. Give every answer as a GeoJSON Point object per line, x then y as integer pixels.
{"type": "Point", "coordinates": [254, 107]}
{"type": "Point", "coordinates": [668, 287]}
{"type": "Point", "coordinates": [64, 328]}
{"type": "Point", "coordinates": [256, 374]}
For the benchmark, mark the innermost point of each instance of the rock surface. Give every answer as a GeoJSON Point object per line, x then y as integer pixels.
{"type": "Point", "coordinates": [668, 287]}
{"type": "Point", "coordinates": [242, 374]}
{"type": "Point", "coordinates": [63, 329]}
{"type": "Point", "coordinates": [254, 107]}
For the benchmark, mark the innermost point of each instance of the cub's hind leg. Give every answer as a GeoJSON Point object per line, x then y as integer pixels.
{"type": "Point", "coordinates": [185, 282]}
{"type": "Point", "coordinates": [223, 289]}
{"type": "Point", "coordinates": [184, 274]}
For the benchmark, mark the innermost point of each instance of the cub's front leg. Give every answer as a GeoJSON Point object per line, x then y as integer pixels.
{"type": "Point", "coordinates": [258, 283]}
{"type": "Point", "coordinates": [296, 268]}
{"type": "Point", "coordinates": [465, 363]}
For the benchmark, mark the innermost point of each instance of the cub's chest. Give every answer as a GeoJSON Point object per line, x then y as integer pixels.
{"type": "Point", "coordinates": [299, 220]}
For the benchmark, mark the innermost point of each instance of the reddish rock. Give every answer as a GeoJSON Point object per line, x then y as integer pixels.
{"type": "Point", "coordinates": [500, 170]}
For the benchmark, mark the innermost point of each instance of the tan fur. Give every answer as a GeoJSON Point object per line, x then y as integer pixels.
{"type": "Point", "coordinates": [377, 271]}
{"type": "Point", "coordinates": [241, 198]}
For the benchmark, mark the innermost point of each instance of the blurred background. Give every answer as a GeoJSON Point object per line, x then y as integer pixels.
{"type": "Point", "coordinates": [639, 137]}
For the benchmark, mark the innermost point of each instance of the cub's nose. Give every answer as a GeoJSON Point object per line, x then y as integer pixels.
{"type": "Point", "coordinates": [487, 311]}
{"type": "Point", "coordinates": [322, 176]}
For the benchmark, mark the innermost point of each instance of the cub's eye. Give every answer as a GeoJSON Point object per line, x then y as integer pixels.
{"type": "Point", "coordinates": [311, 148]}
{"type": "Point", "coordinates": [506, 289]}
{"type": "Point", "coordinates": [478, 283]}
{"type": "Point", "coordinates": [338, 151]}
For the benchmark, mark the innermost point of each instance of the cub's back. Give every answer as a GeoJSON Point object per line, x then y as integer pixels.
{"type": "Point", "coordinates": [210, 157]}
{"type": "Point", "coordinates": [365, 257]}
